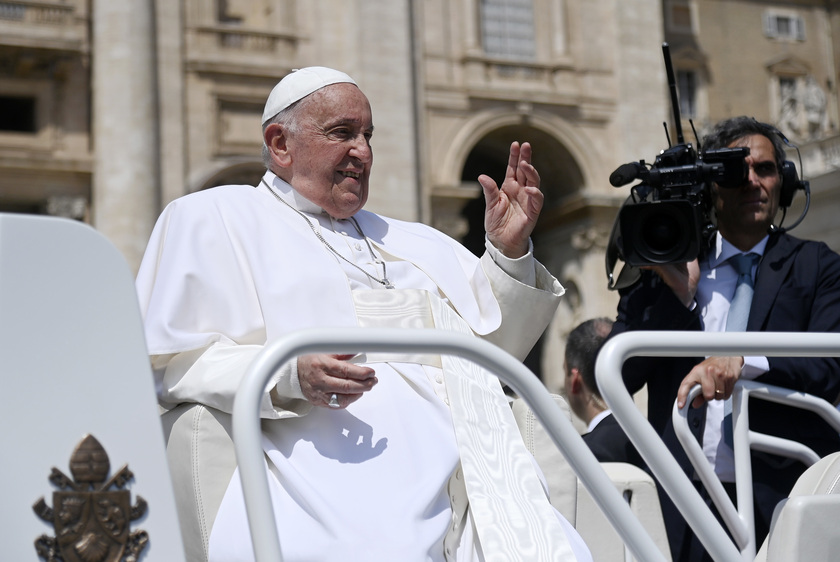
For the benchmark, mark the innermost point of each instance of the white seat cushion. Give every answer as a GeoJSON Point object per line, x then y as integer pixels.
{"type": "Point", "coordinates": [803, 525]}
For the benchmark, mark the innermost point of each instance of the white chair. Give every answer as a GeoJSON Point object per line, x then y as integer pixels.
{"type": "Point", "coordinates": [804, 526]}
{"type": "Point", "coordinates": [75, 364]}
{"type": "Point", "coordinates": [570, 497]}
{"type": "Point", "coordinates": [639, 490]}
{"type": "Point", "coordinates": [199, 446]}
{"type": "Point", "coordinates": [562, 482]}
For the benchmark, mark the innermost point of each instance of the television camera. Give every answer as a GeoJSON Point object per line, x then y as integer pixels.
{"type": "Point", "coordinates": [667, 218]}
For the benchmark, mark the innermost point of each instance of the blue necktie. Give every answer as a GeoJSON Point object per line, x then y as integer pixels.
{"type": "Point", "coordinates": [736, 321]}
{"type": "Point", "coordinates": [739, 307]}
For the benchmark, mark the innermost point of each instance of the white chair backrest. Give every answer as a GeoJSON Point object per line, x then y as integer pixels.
{"type": "Point", "coordinates": [559, 476]}
{"type": "Point", "coordinates": [672, 478]}
{"type": "Point", "coordinates": [639, 491]}
{"type": "Point", "coordinates": [75, 364]}
{"type": "Point", "coordinates": [803, 523]}
{"type": "Point", "coordinates": [570, 497]}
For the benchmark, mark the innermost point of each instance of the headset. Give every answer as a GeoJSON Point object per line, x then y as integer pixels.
{"type": "Point", "coordinates": [790, 185]}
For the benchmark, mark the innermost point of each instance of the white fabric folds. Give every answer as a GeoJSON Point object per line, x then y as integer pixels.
{"type": "Point", "coordinates": [510, 509]}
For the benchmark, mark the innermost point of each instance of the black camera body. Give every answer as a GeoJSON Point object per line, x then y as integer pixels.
{"type": "Point", "coordinates": [667, 218]}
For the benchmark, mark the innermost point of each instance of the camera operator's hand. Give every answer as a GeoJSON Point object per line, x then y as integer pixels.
{"type": "Point", "coordinates": [717, 376]}
{"type": "Point", "coordinates": [681, 277]}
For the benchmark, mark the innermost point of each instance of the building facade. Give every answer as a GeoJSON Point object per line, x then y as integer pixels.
{"type": "Point", "coordinates": [777, 62]}
{"type": "Point", "coordinates": [109, 109]}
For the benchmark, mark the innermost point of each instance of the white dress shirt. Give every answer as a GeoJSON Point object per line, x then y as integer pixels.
{"type": "Point", "coordinates": [714, 293]}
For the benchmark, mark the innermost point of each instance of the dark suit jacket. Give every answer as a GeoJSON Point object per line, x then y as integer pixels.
{"type": "Point", "coordinates": [797, 289]}
{"type": "Point", "coordinates": [609, 443]}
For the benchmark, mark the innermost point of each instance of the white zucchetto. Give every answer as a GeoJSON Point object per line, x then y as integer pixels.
{"type": "Point", "coordinates": [298, 84]}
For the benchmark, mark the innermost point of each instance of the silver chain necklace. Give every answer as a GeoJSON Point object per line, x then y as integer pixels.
{"type": "Point", "coordinates": [385, 282]}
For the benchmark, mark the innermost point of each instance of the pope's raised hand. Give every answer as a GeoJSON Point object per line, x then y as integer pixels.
{"type": "Point", "coordinates": [512, 210]}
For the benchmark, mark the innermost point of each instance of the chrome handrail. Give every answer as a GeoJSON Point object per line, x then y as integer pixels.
{"type": "Point", "coordinates": [741, 521]}
{"type": "Point", "coordinates": [672, 478]}
{"type": "Point", "coordinates": [247, 432]}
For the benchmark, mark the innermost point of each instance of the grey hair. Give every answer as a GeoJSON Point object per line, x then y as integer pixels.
{"type": "Point", "coordinates": [288, 120]}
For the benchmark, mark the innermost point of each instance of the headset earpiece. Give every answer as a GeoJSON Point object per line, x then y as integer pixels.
{"type": "Point", "coordinates": [790, 179]}
{"type": "Point", "coordinates": [790, 184]}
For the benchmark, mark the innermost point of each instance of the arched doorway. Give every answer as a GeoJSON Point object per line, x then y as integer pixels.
{"type": "Point", "coordinates": [560, 176]}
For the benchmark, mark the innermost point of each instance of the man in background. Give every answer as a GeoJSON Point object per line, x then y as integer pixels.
{"type": "Point", "coordinates": [788, 285]}
{"type": "Point", "coordinates": [604, 436]}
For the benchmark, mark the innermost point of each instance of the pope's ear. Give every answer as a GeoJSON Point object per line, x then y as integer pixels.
{"type": "Point", "coordinates": [277, 142]}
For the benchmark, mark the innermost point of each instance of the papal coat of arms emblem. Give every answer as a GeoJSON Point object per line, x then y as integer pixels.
{"type": "Point", "coordinates": [91, 520]}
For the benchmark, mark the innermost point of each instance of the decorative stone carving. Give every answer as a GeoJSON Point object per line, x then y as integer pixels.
{"type": "Point", "coordinates": [802, 113]}
{"type": "Point", "coordinates": [67, 206]}
{"type": "Point", "coordinates": [91, 521]}
{"type": "Point", "coordinates": [590, 238]}
{"type": "Point", "coordinates": [814, 103]}
{"type": "Point", "coordinates": [789, 111]}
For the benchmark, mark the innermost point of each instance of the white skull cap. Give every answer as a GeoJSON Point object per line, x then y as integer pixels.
{"type": "Point", "coordinates": [298, 84]}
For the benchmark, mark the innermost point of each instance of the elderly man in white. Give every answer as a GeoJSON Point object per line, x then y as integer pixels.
{"type": "Point", "coordinates": [370, 457]}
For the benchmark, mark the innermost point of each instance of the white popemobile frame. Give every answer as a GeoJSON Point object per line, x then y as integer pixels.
{"type": "Point", "coordinates": [248, 444]}
{"type": "Point", "coordinates": [246, 423]}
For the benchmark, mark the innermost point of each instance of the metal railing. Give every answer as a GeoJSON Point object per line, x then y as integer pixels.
{"type": "Point", "coordinates": [654, 452]}
{"type": "Point", "coordinates": [247, 432]}
{"type": "Point", "coordinates": [741, 521]}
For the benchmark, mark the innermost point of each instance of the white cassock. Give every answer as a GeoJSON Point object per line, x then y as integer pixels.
{"type": "Point", "coordinates": [387, 478]}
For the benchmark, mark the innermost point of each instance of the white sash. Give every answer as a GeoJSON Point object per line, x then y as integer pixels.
{"type": "Point", "coordinates": [509, 507]}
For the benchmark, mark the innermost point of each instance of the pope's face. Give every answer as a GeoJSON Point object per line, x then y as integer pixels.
{"type": "Point", "coordinates": [329, 151]}
{"type": "Point", "coordinates": [751, 208]}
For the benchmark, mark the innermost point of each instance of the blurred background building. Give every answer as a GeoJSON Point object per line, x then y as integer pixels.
{"type": "Point", "coordinates": [109, 109]}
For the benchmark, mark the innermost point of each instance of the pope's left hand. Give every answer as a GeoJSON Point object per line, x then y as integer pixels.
{"type": "Point", "coordinates": [512, 211]}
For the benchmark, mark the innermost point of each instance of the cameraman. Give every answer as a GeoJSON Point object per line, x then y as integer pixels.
{"type": "Point", "coordinates": [796, 288]}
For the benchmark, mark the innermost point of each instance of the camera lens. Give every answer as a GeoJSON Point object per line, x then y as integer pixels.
{"type": "Point", "coordinates": [659, 233]}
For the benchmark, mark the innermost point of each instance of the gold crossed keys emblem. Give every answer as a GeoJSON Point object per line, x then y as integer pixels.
{"type": "Point", "coordinates": [91, 521]}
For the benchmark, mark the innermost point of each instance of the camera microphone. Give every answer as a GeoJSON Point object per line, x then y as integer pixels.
{"type": "Point", "coordinates": [626, 173]}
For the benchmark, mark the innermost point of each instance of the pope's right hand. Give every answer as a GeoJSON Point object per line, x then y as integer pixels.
{"type": "Point", "coordinates": [321, 376]}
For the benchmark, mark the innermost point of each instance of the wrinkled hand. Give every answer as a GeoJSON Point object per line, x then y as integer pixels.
{"type": "Point", "coordinates": [681, 277]}
{"type": "Point", "coordinates": [512, 211]}
{"type": "Point", "coordinates": [717, 376]}
{"type": "Point", "coordinates": [324, 375]}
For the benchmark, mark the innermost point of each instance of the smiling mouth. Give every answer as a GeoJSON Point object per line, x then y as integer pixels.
{"type": "Point", "coordinates": [354, 175]}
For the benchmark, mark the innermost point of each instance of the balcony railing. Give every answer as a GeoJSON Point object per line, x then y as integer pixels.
{"type": "Point", "coordinates": [39, 13]}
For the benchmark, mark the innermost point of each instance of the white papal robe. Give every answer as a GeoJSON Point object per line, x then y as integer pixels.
{"type": "Point", "coordinates": [230, 268]}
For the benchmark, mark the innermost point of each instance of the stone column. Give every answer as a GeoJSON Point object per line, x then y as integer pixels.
{"type": "Point", "coordinates": [125, 177]}
{"type": "Point", "coordinates": [169, 22]}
